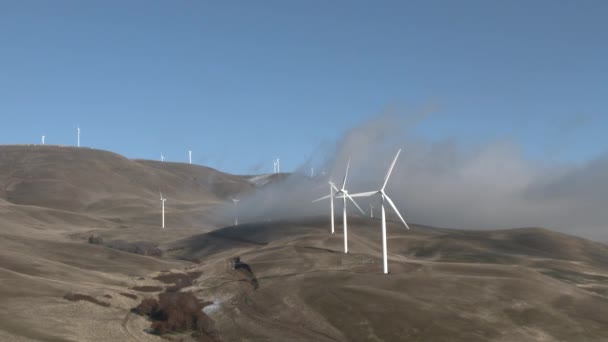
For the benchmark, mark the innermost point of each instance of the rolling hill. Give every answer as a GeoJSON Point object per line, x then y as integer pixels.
{"type": "Point", "coordinates": [64, 211]}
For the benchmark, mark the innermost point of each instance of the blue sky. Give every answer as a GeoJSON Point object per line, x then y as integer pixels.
{"type": "Point", "coordinates": [241, 82]}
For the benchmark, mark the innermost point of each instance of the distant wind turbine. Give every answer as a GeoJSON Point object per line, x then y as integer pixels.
{"type": "Point", "coordinates": [162, 204]}
{"type": "Point", "coordinates": [383, 197]}
{"type": "Point", "coordinates": [343, 193]}
{"type": "Point", "coordinates": [43, 140]}
{"type": "Point", "coordinates": [190, 156]}
{"type": "Point", "coordinates": [162, 158]}
{"type": "Point", "coordinates": [78, 134]}
{"type": "Point", "coordinates": [236, 211]}
{"type": "Point", "coordinates": [278, 165]}
{"type": "Point", "coordinates": [331, 196]}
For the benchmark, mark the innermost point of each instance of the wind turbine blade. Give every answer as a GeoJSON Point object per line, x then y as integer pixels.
{"type": "Point", "coordinates": [355, 203]}
{"type": "Point", "coordinates": [390, 170]}
{"type": "Point", "coordinates": [364, 194]}
{"type": "Point", "coordinates": [346, 173]}
{"type": "Point", "coordinates": [388, 199]}
{"type": "Point", "coordinates": [334, 187]}
{"type": "Point", "coordinates": [322, 198]}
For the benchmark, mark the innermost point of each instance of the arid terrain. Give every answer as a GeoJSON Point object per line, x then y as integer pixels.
{"type": "Point", "coordinates": [81, 247]}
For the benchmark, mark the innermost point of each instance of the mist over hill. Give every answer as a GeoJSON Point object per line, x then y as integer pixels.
{"type": "Point", "coordinates": [490, 186]}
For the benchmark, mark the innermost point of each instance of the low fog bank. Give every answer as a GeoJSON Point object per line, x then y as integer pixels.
{"type": "Point", "coordinates": [444, 184]}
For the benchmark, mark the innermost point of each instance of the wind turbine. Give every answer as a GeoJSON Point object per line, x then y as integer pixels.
{"type": "Point", "coordinates": [43, 140]}
{"type": "Point", "coordinates": [190, 156]}
{"type": "Point", "coordinates": [162, 204]}
{"type": "Point", "coordinates": [383, 197]}
{"type": "Point", "coordinates": [343, 193]}
{"type": "Point", "coordinates": [162, 158]}
{"type": "Point", "coordinates": [331, 196]}
{"type": "Point", "coordinates": [78, 133]}
{"type": "Point", "coordinates": [236, 211]}
{"type": "Point", "coordinates": [278, 165]}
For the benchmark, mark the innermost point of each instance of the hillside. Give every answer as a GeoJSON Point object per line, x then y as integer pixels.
{"type": "Point", "coordinates": [81, 246]}
{"type": "Point", "coordinates": [54, 198]}
{"type": "Point", "coordinates": [87, 180]}
{"type": "Point", "coordinates": [527, 284]}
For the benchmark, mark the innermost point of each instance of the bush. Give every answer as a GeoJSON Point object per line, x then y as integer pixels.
{"type": "Point", "coordinates": [139, 247]}
{"type": "Point", "coordinates": [96, 240]}
{"type": "Point", "coordinates": [177, 312]}
{"type": "Point", "coordinates": [146, 307]}
{"type": "Point", "coordinates": [74, 297]}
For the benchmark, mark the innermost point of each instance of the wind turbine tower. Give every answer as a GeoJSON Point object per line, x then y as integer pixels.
{"type": "Point", "coordinates": [278, 165]}
{"type": "Point", "coordinates": [162, 158]}
{"type": "Point", "coordinates": [331, 196]}
{"type": "Point", "coordinates": [190, 156]}
{"type": "Point", "coordinates": [162, 205]}
{"type": "Point", "coordinates": [384, 197]}
{"type": "Point", "coordinates": [78, 134]}
{"type": "Point", "coordinates": [343, 193]}
{"type": "Point", "coordinates": [43, 140]}
{"type": "Point", "coordinates": [236, 211]}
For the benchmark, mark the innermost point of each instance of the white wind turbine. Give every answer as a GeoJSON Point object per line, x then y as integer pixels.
{"type": "Point", "coordinates": [331, 196]}
{"type": "Point", "coordinates": [278, 165]}
{"type": "Point", "coordinates": [78, 134]}
{"type": "Point", "coordinates": [43, 139]}
{"type": "Point", "coordinates": [236, 211]}
{"type": "Point", "coordinates": [343, 193]}
{"type": "Point", "coordinates": [383, 197]}
{"type": "Point", "coordinates": [162, 205]}
{"type": "Point", "coordinates": [162, 158]}
{"type": "Point", "coordinates": [190, 156]}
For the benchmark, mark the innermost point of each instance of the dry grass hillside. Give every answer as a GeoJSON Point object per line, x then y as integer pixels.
{"type": "Point", "coordinates": [527, 284]}
{"type": "Point", "coordinates": [87, 180]}
{"type": "Point", "coordinates": [82, 258]}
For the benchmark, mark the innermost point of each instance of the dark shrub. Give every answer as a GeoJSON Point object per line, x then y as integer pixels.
{"type": "Point", "coordinates": [147, 288]}
{"type": "Point", "coordinates": [179, 280]}
{"type": "Point", "coordinates": [146, 307]}
{"type": "Point", "coordinates": [177, 312]}
{"type": "Point", "coordinates": [139, 247]}
{"type": "Point", "coordinates": [76, 297]}
{"type": "Point", "coordinates": [128, 295]}
{"type": "Point", "coordinates": [96, 240]}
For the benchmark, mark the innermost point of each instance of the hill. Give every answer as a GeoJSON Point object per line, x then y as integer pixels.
{"type": "Point", "coordinates": [80, 247]}
{"type": "Point", "coordinates": [527, 284]}
{"type": "Point", "coordinates": [54, 198]}
{"type": "Point", "coordinates": [88, 180]}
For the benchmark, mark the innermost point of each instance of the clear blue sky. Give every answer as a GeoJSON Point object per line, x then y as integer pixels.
{"type": "Point", "coordinates": [241, 82]}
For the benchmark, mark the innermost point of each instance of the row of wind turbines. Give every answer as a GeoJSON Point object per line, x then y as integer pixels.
{"type": "Point", "coordinates": [162, 157]}
{"type": "Point", "coordinates": [343, 194]}
{"type": "Point", "coordinates": [43, 138]}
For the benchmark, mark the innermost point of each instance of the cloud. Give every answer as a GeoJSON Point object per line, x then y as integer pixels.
{"type": "Point", "coordinates": [443, 184]}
